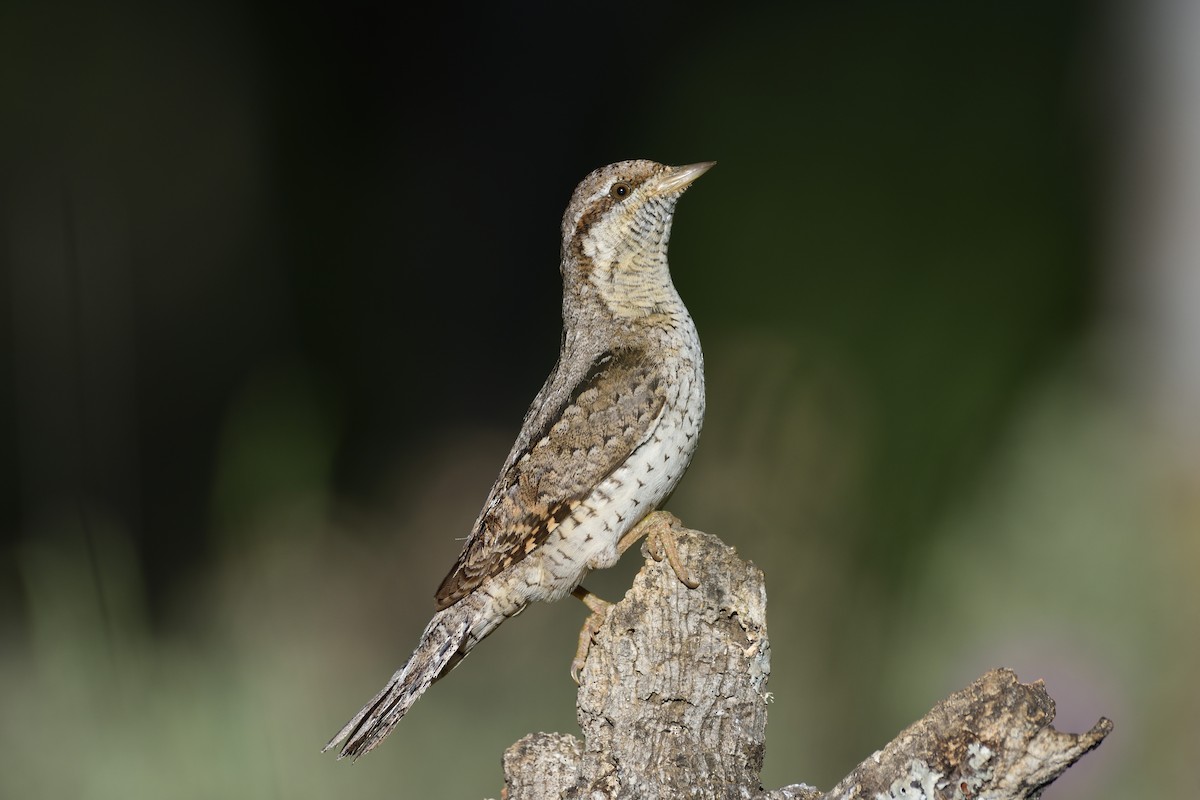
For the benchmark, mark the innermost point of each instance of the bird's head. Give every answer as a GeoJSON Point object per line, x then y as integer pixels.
{"type": "Point", "coordinates": [615, 234]}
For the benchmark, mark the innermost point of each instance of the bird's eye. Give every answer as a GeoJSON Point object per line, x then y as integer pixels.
{"type": "Point", "coordinates": [620, 190]}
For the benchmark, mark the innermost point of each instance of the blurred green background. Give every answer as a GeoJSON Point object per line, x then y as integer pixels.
{"type": "Point", "coordinates": [280, 280]}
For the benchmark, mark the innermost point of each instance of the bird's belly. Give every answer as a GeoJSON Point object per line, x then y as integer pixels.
{"type": "Point", "coordinates": [588, 539]}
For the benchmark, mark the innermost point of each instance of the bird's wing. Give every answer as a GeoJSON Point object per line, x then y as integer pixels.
{"type": "Point", "coordinates": [596, 426]}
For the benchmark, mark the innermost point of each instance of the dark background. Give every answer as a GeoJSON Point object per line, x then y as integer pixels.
{"type": "Point", "coordinates": [282, 281]}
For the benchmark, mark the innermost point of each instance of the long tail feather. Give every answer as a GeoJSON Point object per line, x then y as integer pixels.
{"type": "Point", "coordinates": [438, 652]}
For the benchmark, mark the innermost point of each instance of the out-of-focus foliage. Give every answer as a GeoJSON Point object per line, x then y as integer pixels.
{"type": "Point", "coordinates": [281, 284]}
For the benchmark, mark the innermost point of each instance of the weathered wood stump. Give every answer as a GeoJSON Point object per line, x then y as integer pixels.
{"type": "Point", "coordinates": [673, 703]}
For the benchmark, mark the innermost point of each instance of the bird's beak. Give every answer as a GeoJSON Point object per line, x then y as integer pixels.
{"type": "Point", "coordinates": [679, 178]}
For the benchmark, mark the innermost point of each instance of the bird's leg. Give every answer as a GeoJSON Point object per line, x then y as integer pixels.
{"type": "Point", "coordinates": [660, 539]}
{"type": "Point", "coordinates": [591, 625]}
{"type": "Point", "coordinates": [657, 529]}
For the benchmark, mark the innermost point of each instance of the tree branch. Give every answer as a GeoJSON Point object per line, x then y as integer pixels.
{"type": "Point", "coordinates": [673, 703]}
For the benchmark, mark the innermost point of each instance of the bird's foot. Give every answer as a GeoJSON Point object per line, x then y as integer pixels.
{"type": "Point", "coordinates": [591, 626]}
{"type": "Point", "coordinates": [659, 532]}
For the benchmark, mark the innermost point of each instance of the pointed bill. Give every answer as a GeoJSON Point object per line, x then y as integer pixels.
{"type": "Point", "coordinates": [679, 178]}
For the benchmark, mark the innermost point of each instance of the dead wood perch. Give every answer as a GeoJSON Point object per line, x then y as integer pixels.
{"type": "Point", "coordinates": [673, 704]}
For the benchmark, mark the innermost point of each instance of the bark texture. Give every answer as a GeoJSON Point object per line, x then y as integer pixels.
{"type": "Point", "coordinates": [673, 704]}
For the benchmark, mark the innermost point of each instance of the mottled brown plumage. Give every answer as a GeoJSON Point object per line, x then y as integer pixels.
{"type": "Point", "coordinates": [591, 435]}
{"type": "Point", "coordinates": [602, 445]}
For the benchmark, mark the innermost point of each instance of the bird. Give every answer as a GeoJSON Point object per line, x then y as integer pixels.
{"type": "Point", "coordinates": [601, 448]}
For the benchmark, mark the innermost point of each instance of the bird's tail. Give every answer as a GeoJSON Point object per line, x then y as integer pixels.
{"type": "Point", "coordinates": [449, 636]}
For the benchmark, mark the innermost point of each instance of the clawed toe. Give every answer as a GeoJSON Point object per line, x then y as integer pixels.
{"type": "Point", "coordinates": [659, 532]}
{"type": "Point", "coordinates": [586, 634]}
{"type": "Point", "coordinates": [591, 626]}
{"type": "Point", "coordinates": [661, 542]}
